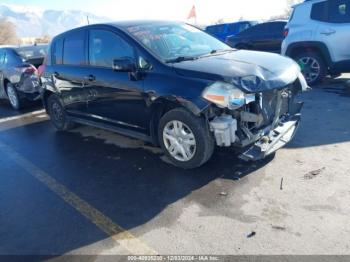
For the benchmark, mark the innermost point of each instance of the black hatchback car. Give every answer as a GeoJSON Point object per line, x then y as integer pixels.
{"type": "Point", "coordinates": [173, 85]}
{"type": "Point", "coordinates": [19, 80]}
{"type": "Point", "coordinates": [266, 37]}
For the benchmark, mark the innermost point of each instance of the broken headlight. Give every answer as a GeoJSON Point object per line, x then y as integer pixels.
{"type": "Point", "coordinates": [226, 95]}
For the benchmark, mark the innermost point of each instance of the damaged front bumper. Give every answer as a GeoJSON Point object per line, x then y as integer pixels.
{"type": "Point", "coordinates": [274, 140]}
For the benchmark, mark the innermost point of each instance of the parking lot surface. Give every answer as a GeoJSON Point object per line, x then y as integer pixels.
{"type": "Point", "coordinates": [90, 191]}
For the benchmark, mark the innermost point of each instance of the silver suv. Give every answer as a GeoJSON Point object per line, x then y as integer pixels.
{"type": "Point", "coordinates": [318, 38]}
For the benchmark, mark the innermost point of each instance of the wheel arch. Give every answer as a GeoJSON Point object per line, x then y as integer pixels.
{"type": "Point", "coordinates": [296, 48]}
{"type": "Point", "coordinates": [162, 105]}
{"type": "Point", "coordinates": [6, 82]}
{"type": "Point", "coordinates": [45, 96]}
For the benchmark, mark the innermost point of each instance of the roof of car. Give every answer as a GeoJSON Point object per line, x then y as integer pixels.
{"type": "Point", "coordinates": [238, 22]}
{"type": "Point", "coordinates": [308, 2]}
{"type": "Point", "coordinates": [131, 23]}
{"type": "Point", "coordinates": [122, 25]}
{"type": "Point", "coordinates": [21, 46]}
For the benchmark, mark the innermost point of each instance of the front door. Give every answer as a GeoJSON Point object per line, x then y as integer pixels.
{"type": "Point", "coordinates": [114, 97]}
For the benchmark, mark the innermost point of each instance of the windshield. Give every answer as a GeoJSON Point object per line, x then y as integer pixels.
{"type": "Point", "coordinates": [31, 52]}
{"type": "Point", "coordinates": [170, 41]}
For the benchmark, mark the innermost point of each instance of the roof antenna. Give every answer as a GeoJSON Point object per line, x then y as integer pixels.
{"type": "Point", "coordinates": [87, 18]}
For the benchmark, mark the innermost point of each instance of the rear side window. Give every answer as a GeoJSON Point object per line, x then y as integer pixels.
{"type": "Point", "coordinates": [217, 29]}
{"type": "Point", "coordinates": [319, 11]}
{"type": "Point", "coordinates": [57, 52]}
{"type": "Point", "coordinates": [12, 58]}
{"type": "Point", "coordinates": [277, 28]}
{"type": "Point", "coordinates": [258, 30]}
{"type": "Point", "coordinates": [334, 11]}
{"type": "Point", "coordinates": [339, 11]}
{"type": "Point", "coordinates": [233, 28]}
{"type": "Point", "coordinates": [74, 49]}
{"type": "Point", "coordinates": [105, 46]}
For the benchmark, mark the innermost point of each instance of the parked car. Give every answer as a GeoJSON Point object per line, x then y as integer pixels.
{"type": "Point", "coordinates": [318, 38]}
{"type": "Point", "coordinates": [262, 37]}
{"type": "Point", "coordinates": [222, 31]}
{"type": "Point", "coordinates": [127, 77]}
{"type": "Point", "coordinates": [18, 73]}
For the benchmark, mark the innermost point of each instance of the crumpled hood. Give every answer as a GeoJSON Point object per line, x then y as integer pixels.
{"type": "Point", "coordinates": [249, 70]}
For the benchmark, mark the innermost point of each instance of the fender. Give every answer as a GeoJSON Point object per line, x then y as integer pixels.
{"type": "Point", "coordinates": [321, 47]}
{"type": "Point", "coordinates": [196, 106]}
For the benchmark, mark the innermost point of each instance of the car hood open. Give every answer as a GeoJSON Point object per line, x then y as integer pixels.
{"type": "Point", "coordinates": [249, 70]}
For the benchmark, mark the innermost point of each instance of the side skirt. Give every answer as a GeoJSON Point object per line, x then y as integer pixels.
{"type": "Point", "coordinates": [119, 130]}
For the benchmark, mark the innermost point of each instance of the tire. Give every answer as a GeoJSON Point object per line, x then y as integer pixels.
{"type": "Point", "coordinates": [57, 114]}
{"type": "Point", "coordinates": [312, 62]}
{"type": "Point", "coordinates": [194, 138]}
{"type": "Point", "coordinates": [13, 97]}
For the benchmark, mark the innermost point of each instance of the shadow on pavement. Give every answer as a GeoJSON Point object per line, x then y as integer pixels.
{"type": "Point", "coordinates": [130, 186]}
{"type": "Point", "coordinates": [7, 111]}
{"type": "Point", "coordinates": [325, 118]}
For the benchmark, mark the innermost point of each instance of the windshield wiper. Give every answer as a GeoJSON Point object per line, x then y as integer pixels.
{"type": "Point", "coordinates": [215, 51]}
{"type": "Point", "coordinates": [181, 59]}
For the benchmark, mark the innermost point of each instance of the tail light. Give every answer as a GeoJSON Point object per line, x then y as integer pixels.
{"type": "Point", "coordinates": [26, 69]}
{"type": "Point", "coordinates": [285, 32]}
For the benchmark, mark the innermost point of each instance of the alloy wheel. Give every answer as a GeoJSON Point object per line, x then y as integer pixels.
{"type": "Point", "coordinates": [310, 68]}
{"type": "Point", "coordinates": [11, 93]}
{"type": "Point", "coordinates": [57, 112]}
{"type": "Point", "coordinates": [179, 140]}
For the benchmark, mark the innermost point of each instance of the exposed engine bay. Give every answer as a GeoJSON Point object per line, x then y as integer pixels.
{"type": "Point", "coordinates": [265, 123]}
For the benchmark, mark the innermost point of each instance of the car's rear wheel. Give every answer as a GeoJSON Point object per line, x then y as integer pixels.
{"type": "Point", "coordinates": [312, 66]}
{"type": "Point", "coordinates": [13, 96]}
{"type": "Point", "coordinates": [57, 114]}
{"type": "Point", "coordinates": [185, 138]}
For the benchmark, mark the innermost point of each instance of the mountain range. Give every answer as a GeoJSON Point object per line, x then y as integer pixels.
{"type": "Point", "coordinates": [31, 22]}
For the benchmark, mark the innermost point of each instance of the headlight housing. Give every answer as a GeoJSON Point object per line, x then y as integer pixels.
{"type": "Point", "coordinates": [226, 95]}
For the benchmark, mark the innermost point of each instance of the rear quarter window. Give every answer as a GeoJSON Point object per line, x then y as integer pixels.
{"type": "Point", "coordinates": [74, 49]}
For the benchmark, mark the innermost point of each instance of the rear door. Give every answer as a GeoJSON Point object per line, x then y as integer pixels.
{"type": "Point", "coordinates": [334, 27]}
{"type": "Point", "coordinates": [114, 97]}
{"type": "Point", "coordinates": [69, 71]}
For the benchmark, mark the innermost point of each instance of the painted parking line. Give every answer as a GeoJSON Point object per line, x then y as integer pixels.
{"type": "Point", "coordinates": [117, 233]}
{"type": "Point", "coordinates": [22, 120]}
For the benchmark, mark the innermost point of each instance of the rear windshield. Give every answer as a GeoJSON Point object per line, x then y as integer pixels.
{"type": "Point", "coordinates": [31, 52]}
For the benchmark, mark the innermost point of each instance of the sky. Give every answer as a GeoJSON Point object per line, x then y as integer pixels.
{"type": "Point", "coordinates": [208, 11]}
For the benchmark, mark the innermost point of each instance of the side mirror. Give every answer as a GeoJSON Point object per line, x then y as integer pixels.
{"type": "Point", "coordinates": [124, 65]}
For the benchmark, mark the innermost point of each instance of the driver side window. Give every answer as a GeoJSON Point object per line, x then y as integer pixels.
{"type": "Point", "coordinates": [106, 46]}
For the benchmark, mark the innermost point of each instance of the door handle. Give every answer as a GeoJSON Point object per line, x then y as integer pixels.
{"type": "Point", "coordinates": [90, 78]}
{"type": "Point", "coordinates": [328, 32]}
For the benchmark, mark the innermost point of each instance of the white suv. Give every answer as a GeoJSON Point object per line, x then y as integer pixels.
{"type": "Point", "coordinates": [318, 38]}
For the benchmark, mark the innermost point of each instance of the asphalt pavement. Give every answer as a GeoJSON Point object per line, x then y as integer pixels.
{"type": "Point", "coordinates": [90, 191]}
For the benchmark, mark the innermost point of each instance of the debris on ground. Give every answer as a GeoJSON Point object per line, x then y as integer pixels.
{"type": "Point", "coordinates": [251, 234]}
{"type": "Point", "coordinates": [281, 186]}
{"type": "Point", "coordinates": [279, 228]}
{"type": "Point", "coordinates": [223, 193]}
{"type": "Point", "coordinates": [314, 173]}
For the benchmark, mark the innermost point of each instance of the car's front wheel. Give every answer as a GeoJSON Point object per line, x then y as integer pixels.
{"type": "Point", "coordinates": [57, 114]}
{"type": "Point", "coordinates": [13, 97]}
{"type": "Point", "coordinates": [185, 138]}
